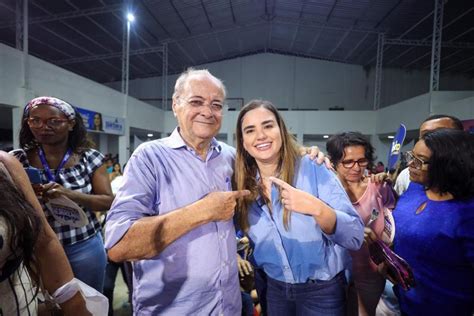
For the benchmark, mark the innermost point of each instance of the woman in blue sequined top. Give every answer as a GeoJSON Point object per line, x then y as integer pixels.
{"type": "Point", "coordinates": [435, 225]}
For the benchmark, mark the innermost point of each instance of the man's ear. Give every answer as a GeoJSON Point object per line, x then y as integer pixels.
{"type": "Point", "coordinates": [173, 106]}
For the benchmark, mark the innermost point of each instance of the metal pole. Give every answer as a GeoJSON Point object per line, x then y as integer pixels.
{"type": "Point", "coordinates": [127, 54]}
{"type": "Point", "coordinates": [124, 141]}
{"type": "Point", "coordinates": [436, 48]}
{"type": "Point", "coordinates": [378, 71]}
{"type": "Point", "coordinates": [26, 61]}
{"type": "Point", "coordinates": [19, 25]}
{"type": "Point", "coordinates": [164, 77]}
{"type": "Point", "coordinates": [124, 57]}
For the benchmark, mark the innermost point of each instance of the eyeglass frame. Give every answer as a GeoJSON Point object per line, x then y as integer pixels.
{"type": "Point", "coordinates": [354, 162]}
{"type": "Point", "coordinates": [419, 163]}
{"type": "Point", "coordinates": [215, 107]}
{"type": "Point", "coordinates": [46, 122]}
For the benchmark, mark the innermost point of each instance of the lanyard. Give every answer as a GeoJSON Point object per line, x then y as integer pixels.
{"type": "Point", "coordinates": [47, 170]}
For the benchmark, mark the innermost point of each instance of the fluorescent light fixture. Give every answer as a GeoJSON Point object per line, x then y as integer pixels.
{"type": "Point", "coordinates": [390, 137]}
{"type": "Point", "coordinates": [149, 135]}
{"type": "Point", "coordinates": [326, 136]}
{"type": "Point", "coordinates": [130, 17]}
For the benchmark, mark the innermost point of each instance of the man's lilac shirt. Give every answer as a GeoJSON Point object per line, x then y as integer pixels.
{"type": "Point", "coordinates": [197, 273]}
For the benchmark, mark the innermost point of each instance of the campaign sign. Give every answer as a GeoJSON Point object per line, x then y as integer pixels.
{"type": "Point", "coordinates": [92, 120]}
{"type": "Point", "coordinates": [396, 147]}
{"type": "Point", "coordinates": [113, 125]}
{"type": "Point", "coordinates": [67, 212]}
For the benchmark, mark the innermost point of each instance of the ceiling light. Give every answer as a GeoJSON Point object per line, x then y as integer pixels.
{"type": "Point", "coordinates": [149, 135]}
{"type": "Point", "coordinates": [390, 137]}
{"type": "Point", "coordinates": [130, 17]}
{"type": "Point", "coordinates": [326, 136]}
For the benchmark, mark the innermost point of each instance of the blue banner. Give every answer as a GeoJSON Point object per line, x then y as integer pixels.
{"type": "Point", "coordinates": [92, 120]}
{"type": "Point", "coordinates": [95, 121]}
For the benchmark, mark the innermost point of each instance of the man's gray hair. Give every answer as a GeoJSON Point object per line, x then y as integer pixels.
{"type": "Point", "coordinates": [191, 73]}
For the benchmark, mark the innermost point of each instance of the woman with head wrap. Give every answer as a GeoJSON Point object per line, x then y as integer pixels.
{"type": "Point", "coordinates": [53, 139]}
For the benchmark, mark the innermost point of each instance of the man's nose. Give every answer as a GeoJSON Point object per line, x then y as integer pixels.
{"type": "Point", "coordinates": [207, 110]}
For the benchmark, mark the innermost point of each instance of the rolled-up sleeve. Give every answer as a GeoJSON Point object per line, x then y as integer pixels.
{"type": "Point", "coordinates": [349, 232]}
{"type": "Point", "coordinates": [135, 199]}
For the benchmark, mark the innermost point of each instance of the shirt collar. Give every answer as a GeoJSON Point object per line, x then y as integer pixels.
{"type": "Point", "coordinates": [176, 141]}
{"type": "Point", "coordinates": [260, 200]}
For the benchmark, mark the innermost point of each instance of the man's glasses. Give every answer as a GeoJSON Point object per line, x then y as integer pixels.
{"type": "Point", "coordinates": [35, 122]}
{"type": "Point", "coordinates": [348, 164]}
{"type": "Point", "coordinates": [416, 162]}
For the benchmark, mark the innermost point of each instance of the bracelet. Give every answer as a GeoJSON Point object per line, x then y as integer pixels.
{"type": "Point", "coordinates": [66, 291]}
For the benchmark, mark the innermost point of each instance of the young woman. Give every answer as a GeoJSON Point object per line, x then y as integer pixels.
{"type": "Point", "coordinates": [30, 252]}
{"type": "Point", "coordinates": [435, 225]}
{"type": "Point", "coordinates": [351, 154]}
{"type": "Point", "coordinates": [53, 139]}
{"type": "Point", "coordinates": [116, 171]}
{"type": "Point", "coordinates": [298, 217]}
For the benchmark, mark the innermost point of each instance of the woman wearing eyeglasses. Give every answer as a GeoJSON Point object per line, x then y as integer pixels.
{"type": "Point", "coordinates": [54, 140]}
{"type": "Point", "coordinates": [351, 154]}
{"type": "Point", "coordinates": [435, 225]}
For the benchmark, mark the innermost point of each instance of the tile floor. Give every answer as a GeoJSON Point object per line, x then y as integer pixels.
{"type": "Point", "coordinates": [121, 305]}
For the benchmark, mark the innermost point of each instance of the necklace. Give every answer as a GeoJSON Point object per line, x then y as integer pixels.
{"type": "Point", "coordinates": [47, 169]}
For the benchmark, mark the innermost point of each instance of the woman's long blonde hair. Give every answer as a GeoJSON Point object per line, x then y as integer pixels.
{"type": "Point", "coordinates": [246, 166]}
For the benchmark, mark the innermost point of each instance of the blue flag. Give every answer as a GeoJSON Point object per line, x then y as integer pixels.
{"type": "Point", "coordinates": [396, 147]}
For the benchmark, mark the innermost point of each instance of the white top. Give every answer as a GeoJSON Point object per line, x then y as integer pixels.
{"type": "Point", "coordinates": [403, 180]}
{"type": "Point", "coordinates": [18, 286]}
{"type": "Point", "coordinates": [116, 183]}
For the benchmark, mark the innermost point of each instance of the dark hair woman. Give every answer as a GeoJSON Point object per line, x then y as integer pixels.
{"type": "Point", "coordinates": [435, 225]}
{"type": "Point", "coordinates": [116, 171]}
{"type": "Point", "coordinates": [54, 140]}
{"type": "Point", "coordinates": [30, 253]}
{"type": "Point", "coordinates": [291, 215]}
{"type": "Point", "coordinates": [351, 154]}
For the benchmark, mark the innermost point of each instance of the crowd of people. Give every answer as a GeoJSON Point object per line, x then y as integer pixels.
{"type": "Point", "coordinates": [308, 220]}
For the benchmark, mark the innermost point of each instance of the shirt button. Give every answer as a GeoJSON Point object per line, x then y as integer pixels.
{"type": "Point", "coordinates": [285, 267]}
{"type": "Point", "coordinates": [222, 235]}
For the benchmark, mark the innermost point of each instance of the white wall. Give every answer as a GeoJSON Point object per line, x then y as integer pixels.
{"type": "Point", "coordinates": [303, 83]}
{"type": "Point", "coordinates": [459, 107]}
{"type": "Point", "coordinates": [48, 79]}
{"type": "Point", "coordinates": [292, 82]}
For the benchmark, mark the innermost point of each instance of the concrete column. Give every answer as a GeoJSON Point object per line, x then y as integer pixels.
{"type": "Point", "coordinates": [104, 143]}
{"type": "Point", "coordinates": [17, 113]}
{"type": "Point", "coordinates": [124, 145]}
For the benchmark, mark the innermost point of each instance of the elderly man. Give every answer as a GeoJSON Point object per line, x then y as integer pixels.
{"type": "Point", "coordinates": [173, 214]}
{"type": "Point", "coordinates": [431, 123]}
